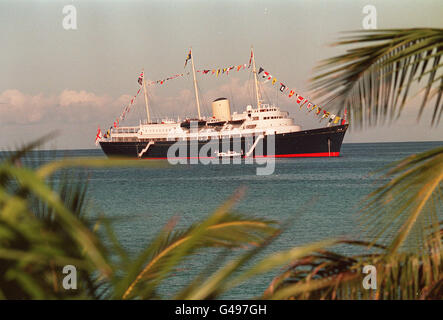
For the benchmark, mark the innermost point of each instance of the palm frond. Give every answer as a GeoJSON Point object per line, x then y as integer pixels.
{"type": "Point", "coordinates": [409, 206]}
{"type": "Point", "coordinates": [33, 251]}
{"type": "Point", "coordinates": [29, 180]}
{"type": "Point", "coordinates": [223, 280]}
{"type": "Point", "coordinates": [221, 229]}
{"type": "Point", "coordinates": [374, 81]}
{"type": "Point", "coordinates": [329, 275]}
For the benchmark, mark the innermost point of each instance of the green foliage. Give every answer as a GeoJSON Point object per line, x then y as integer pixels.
{"type": "Point", "coordinates": [43, 227]}
{"type": "Point", "coordinates": [409, 204]}
{"type": "Point", "coordinates": [328, 275]}
{"type": "Point", "coordinates": [404, 214]}
{"type": "Point", "coordinates": [373, 81]}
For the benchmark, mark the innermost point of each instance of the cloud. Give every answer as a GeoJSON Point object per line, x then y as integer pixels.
{"type": "Point", "coordinates": [69, 98]}
{"type": "Point", "coordinates": [70, 106]}
{"type": "Point", "coordinates": [17, 107]}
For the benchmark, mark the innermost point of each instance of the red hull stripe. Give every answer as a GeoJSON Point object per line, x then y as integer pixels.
{"type": "Point", "coordinates": [304, 155]}
{"type": "Point", "coordinates": [295, 155]}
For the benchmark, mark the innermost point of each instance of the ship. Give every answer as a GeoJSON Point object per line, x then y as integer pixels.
{"type": "Point", "coordinates": [262, 130]}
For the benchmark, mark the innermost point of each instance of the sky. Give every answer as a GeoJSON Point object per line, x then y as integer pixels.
{"type": "Point", "coordinates": [73, 81]}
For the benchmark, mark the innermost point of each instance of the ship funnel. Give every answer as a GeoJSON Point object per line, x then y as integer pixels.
{"type": "Point", "coordinates": [221, 109]}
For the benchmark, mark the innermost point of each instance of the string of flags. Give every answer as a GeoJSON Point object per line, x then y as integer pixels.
{"type": "Point", "coordinates": [215, 72]}
{"type": "Point", "coordinates": [300, 100]}
{"type": "Point", "coordinates": [127, 109]}
{"type": "Point", "coordinates": [122, 116]}
{"type": "Point", "coordinates": [166, 79]}
{"type": "Point", "coordinates": [221, 71]}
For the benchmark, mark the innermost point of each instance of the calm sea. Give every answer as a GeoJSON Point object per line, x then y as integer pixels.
{"type": "Point", "coordinates": [321, 195]}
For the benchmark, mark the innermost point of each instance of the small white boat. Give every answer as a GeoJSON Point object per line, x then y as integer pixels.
{"type": "Point", "coordinates": [229, 154]}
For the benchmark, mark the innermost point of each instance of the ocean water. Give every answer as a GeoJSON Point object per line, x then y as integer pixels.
{"type": "Point", "coordinates": [321, 197]}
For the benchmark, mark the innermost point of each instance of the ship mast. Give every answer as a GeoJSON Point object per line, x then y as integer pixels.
{"type": "Point", "coordinates": [254, 70]}
{"type": "Point", "coordinates": [146, 98]}
{"type": "Point", "coordinates": [195, 84]}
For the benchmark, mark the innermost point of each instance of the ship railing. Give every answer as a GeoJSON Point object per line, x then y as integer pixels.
{"type": "Point", "coordinates": [125, 130]}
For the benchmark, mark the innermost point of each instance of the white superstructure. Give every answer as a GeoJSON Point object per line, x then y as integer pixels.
{"type": "Point", "coordinates": [268, 119]}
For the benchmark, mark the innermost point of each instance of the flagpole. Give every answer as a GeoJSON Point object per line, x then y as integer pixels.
{"type": "Point", "coordinates": [146, 97]}
{"type": "Point", "coordinates": [254, 70]}
{"type": "Point", "coordinates": [195, 84]}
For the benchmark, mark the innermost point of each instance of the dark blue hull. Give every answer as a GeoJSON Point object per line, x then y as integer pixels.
{"type": "Point", "coordinates": [323, 142]}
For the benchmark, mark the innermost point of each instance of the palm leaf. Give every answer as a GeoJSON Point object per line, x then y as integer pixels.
{"type": "Point", "coordinates": [221, 281]}
{"type": "Point", "coordinates": [29, 180]}
{"type": "Point", "coordinates": [410, 204]}
{"type": "Point", "coordinates": [33, 251]}
{"type": "Point", "coordinates": [61, 248]}
{"type": "Point", "coordinates": [317, 275]}
{"type": "Point", "coordinates": [221, 229]}
{"type": "Point", "coordinates": [373, 81]}
{"type": "Point", "coordinates": [329, 275]}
